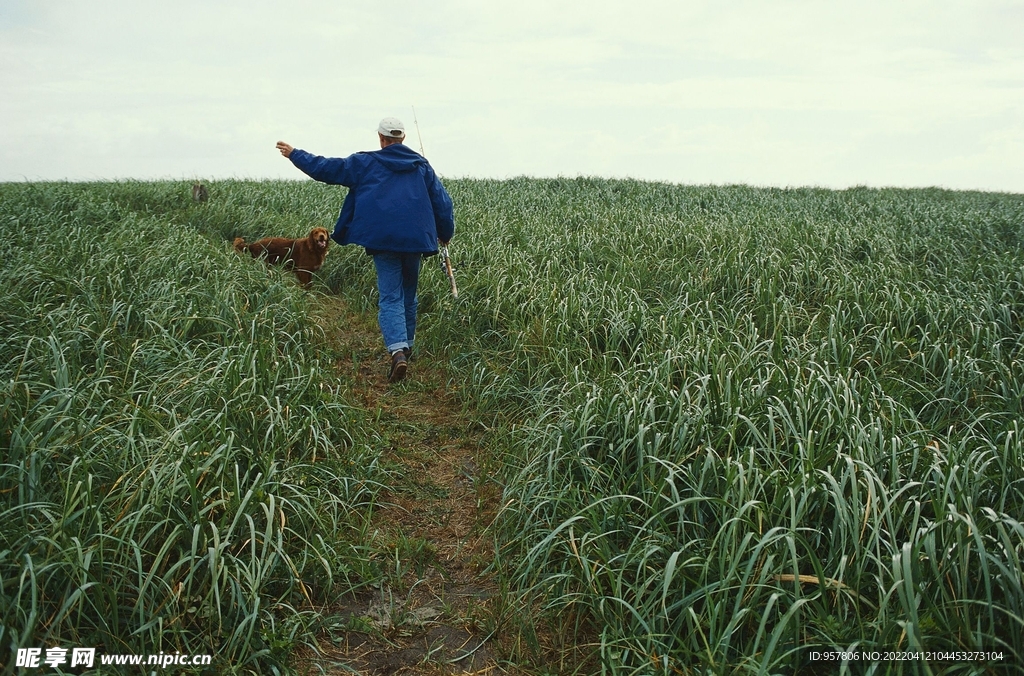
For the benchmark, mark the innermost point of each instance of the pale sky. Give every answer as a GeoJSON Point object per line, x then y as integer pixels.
{"type": "Point", "coordinates": [778, 93]}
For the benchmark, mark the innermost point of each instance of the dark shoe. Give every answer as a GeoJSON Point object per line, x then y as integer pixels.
{"type": "Point", "coordinates": [398, 366]}
{"type": "Point", "coordinates": [408, 353]}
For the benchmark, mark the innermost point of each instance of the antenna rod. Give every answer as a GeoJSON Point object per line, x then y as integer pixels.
{"type": "Point", "coordinates": [417, 123]}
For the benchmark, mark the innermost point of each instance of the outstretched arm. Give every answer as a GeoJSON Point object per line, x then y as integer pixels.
{"type": "Point", "coordinates": [337, 171]}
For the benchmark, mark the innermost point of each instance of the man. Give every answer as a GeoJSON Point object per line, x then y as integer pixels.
{"type": "Point", "coordinates": [397, 208]}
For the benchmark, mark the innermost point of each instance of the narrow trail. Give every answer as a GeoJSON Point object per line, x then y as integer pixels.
{"type": "Point", "coordinates": [436, 612]}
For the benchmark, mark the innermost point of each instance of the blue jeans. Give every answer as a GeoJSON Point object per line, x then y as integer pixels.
{"type": "Point", "coordinates": [397, 277]}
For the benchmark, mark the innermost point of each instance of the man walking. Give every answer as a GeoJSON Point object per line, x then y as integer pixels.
{"type": "Point", "coordinates": [398, 210]}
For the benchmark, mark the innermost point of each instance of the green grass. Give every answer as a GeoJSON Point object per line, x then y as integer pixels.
{"type": "Point", "coordinates": [181, 472]}
{"type": "Point", "coordinates": [734, 424]}
{"type": "Point", "coordinates": [709, 392]}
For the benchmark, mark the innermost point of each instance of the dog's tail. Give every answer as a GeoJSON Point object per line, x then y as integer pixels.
{"type": "Point", "coordinates": [240, 245]}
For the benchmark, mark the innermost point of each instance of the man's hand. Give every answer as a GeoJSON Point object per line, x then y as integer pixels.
{"type": "Point", "coordinates": [285, 149]}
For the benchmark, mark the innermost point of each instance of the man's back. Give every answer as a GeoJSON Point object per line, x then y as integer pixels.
{"type": "Point", "coordinates": [395, 201]}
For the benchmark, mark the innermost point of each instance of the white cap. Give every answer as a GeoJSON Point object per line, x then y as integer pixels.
{"type": "Point", "coordinates": [391, 127]}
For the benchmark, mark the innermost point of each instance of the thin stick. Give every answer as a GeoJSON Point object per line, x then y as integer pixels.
{"type": "Point", "coordinates": [417, 123]}
{"type": "Point", "coordinates": [444, 258]}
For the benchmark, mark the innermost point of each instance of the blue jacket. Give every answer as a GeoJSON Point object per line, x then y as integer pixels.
{"type": "Point", "coordinates": [395, 201]}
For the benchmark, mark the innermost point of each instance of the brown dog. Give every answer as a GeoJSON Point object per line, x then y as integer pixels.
{"type": "Point", "coordinates": [303, 256]}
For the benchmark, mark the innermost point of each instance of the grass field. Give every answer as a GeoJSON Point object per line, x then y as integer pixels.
{"type": "Point", "coordinates": [736, 425]}
{"type": "Point", "coordinates": [745, 423]}
{"type": "Point", "coordinates": [179, 472]}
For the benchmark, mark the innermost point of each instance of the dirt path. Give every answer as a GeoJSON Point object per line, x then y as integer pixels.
{"type": "Point", "coordinates": [436, 611]}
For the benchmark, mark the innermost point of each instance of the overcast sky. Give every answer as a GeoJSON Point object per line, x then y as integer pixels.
{"type": "Point", "coordinates": [768, 93]}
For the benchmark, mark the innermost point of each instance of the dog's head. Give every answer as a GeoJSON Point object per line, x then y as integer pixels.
{"type": "Point", "coordinates": [319, 239]}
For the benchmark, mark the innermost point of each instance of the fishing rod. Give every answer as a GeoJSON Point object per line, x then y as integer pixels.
{"type": "Point", "coordinates": [444, 258]}
{"type": "Point", "coordinates": [417, 123]}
